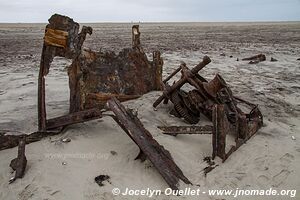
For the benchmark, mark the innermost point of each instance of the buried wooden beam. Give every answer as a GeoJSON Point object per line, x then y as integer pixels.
{"type": "Point", "coordinates": [152, 150]}
{"type": "Point", "coordinates": [74, 118]}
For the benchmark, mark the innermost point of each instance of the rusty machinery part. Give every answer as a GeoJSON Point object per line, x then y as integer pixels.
{"type": "Point", "coordinates": [149, 147]}
{"type": "Point", "coordinates": [177, 85]}
{"type": "Point", "coordinates": [180, 107]}
{"type": "Point", "coordinates": [199, 103]}
{"type": "Point", "coordinates": [186, 100]}
{"type": "Point", "coordinates": [215, 100]}
{"type": "Point", "coordinates": [214, 86]}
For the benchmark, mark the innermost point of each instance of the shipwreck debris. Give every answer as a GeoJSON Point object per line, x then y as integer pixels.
{"type": "Point", "coordinates": [100, 80]}
{"type": "Point", "coordinates": [19, 164]}
{"type": "Point", "coordinates": [215, 100]}
{"type": "Point", "coordinates": [273, 59]}
{"type": "Point", "coordinates": [94, 77]}
{"type": "Point", "coordinates": [149, 147]}
{"type": "Point", "coordinates": [256, 59]}
{"type": "Point", "coordinates": [101, 178]}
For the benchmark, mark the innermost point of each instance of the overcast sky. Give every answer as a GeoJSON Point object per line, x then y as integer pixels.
{"type": "Point", "coordinates": [150, 10]}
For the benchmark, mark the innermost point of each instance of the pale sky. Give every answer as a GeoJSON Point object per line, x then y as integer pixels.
{"type": "Point", "coordinates": [150, 10]}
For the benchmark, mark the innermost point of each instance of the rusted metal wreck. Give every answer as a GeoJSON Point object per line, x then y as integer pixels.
{"type": "Point", "coordinates": [213, 99]}
{"type": "Point", "coordinates": [98, 81]}
{"type": "Point", "coordinates": [94, 77]}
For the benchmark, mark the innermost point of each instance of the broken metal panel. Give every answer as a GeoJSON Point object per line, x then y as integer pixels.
{"type": "Point", "coordinates": [94, 75]}
{"type": "Point", "coordinates": [149, 147]}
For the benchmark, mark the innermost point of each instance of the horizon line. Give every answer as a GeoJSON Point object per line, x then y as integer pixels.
{"type": "Point", "coordinates": [127, 22]}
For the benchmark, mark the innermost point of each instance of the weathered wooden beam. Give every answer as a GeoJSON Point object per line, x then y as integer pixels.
{"type": "Point", "coordinates": [155, 152]}
{"type": "Point", "coordinates": [73, 118]}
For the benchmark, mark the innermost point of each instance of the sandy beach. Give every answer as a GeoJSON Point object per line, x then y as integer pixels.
{"type": "Point", "coordinates": [57, 170]}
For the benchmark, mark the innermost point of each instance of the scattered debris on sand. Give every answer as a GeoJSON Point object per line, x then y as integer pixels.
{"type": "Point", "coordinates": [255, 59]}
{"type": "Point", "coordinates": [101, 178]}
{"type": "Point", "coordinates": [99, 81]}
{"type": "Point", "coordinates": [273, 59]}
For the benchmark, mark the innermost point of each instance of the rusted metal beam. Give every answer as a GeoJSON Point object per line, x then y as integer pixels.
{"type": "Point", "coordinates": [220, 129]}
{"type": "Point", "coordinates": [175, 130]}
{"type": "Point", "coordinates": [73, 118]}
{"type": "Point", "coordinates": [19, 164]}
{"type": "Point", "coordinates": [11, 141]}
{"type": "Point", "coordinates": [156, 153]}
{"type": "Point", "coordinates": [136, 42]}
